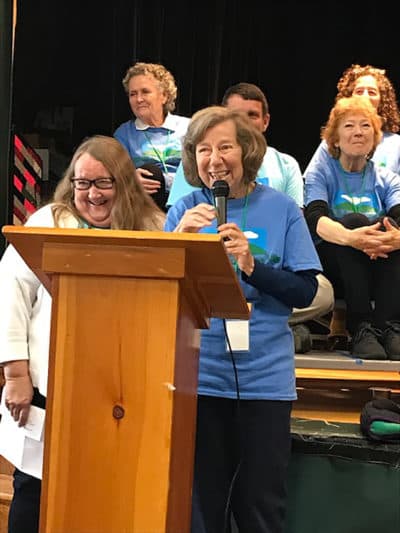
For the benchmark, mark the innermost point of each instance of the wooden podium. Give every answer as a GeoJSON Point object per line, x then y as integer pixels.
{"type": "Point", "coordinates": [121, 402]}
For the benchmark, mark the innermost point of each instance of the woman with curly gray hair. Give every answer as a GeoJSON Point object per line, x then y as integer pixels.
{"type": "Point", "coordinates": [153, 137]}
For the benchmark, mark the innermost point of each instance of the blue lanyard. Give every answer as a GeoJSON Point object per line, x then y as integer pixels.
{"type": "Point", "coordinates": [346, 186]}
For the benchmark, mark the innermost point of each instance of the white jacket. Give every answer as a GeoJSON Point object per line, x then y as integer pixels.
{"type": "Point", "coordinates": [25, 306]}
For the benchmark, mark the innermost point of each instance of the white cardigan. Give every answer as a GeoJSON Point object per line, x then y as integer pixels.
{"type": "Point", "coordinates": [25, 306]}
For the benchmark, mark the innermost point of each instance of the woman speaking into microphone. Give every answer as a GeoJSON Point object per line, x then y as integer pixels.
{"type": "Point", "coordinates": [243, 447]}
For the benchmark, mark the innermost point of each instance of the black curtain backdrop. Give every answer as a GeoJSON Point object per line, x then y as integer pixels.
{"type": "Point", "coordinates": [6, 61]}
{"type": "Point", "coordinates": [75, 54]}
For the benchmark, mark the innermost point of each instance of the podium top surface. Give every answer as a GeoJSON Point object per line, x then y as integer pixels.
{"type": "Point", "coordinates": [206, 264]}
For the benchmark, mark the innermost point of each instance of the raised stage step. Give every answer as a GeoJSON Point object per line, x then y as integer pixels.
{"type": "Point", "coordinates": [333, 386]}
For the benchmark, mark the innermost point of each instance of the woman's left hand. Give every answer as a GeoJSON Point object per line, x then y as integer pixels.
{"type": "Point", "coordinates": [237, 245]}
{"type": "Point", "coordinates": [18, 396]}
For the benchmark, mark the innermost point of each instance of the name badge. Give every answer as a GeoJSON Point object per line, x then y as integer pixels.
{"type": "Point", "coordinates": [238, 334]}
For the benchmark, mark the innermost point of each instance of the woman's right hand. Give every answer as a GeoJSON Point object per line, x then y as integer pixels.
{"type": "Point", "coordinates": [196, 218]}
{"type": "Point", "coordinates": [149, 185]}
{"type": "Point", "coordinates": [18, 390]}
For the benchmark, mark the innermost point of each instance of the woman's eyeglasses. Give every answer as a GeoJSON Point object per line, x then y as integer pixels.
{"type": "Point", "coordinates": [99, 183]}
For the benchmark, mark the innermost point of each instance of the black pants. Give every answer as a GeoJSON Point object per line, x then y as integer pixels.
{"type": "Point", "coordinates": [360, 280]}
{"type": "Point", "coordinates": [258, 439]}
{"type": "Point", "coordinates": [25, 505]}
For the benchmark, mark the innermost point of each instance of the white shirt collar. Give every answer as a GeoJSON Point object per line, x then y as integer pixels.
{"type": "Point", "coordinates": [168, 124]}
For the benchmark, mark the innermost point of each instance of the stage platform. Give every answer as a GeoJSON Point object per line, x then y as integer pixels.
{"type": "Point", "coordinates": [341, 360]}
{"type": "Point", "coordinates": [333, 386]}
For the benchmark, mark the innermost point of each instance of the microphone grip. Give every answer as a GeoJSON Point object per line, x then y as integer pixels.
{"type": "Point", "coordinates": [220, 205]}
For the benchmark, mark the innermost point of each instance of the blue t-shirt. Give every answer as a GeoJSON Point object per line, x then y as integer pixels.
{"type": "Point", "coordinates": [160, 146]}
{"type": "Point", "coordinates": [372, 192]}
{"type": "Point", "coordinates": [279, 237]}
{"type": "Point", "coordinates": [386, 155]}
{"type": "Point", "coordinates": [278, 170]}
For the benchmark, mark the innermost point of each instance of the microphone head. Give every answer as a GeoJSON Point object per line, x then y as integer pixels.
{"type": "Point", "coordinates": [220, 188]}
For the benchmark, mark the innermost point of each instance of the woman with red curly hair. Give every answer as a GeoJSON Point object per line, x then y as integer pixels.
{"type": "Point", "coordinates": [372, 82]}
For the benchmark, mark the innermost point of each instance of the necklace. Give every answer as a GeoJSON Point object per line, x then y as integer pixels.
{"type": "Point", "coordinates": [354, 207]}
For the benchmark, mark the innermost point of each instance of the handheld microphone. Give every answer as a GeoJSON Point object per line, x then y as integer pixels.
{"type": "Point", "coordinates": [220, 191]}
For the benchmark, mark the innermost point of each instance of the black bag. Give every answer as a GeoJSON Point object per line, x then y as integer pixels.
{"type": "Point", "coordinates": [380, 420]}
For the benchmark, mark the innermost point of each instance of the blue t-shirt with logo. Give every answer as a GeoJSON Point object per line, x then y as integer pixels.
{"type": "Point", "coordinates": [161, 145]}
{"type": "Point", "coordinates": [372, 192]}
{"type": "Point", "coordinates": [279, 237]}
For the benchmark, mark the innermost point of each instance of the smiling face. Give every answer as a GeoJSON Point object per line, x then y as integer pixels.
{"type": "Point", "coordinates": [94, 205]}
{"type": "Point", "coordinates": [368, 86]}
{"type": "Point", "coordinates": [355, 137]}
{"type": "Point", "coordinates": [147, 99]}
{"type": "Point", "coordinates": [219, 157]}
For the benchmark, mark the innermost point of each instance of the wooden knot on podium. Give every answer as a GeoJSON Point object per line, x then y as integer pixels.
{"type": "Point", "coordinates": [118, 412]}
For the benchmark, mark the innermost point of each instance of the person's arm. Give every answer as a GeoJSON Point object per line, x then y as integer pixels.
{"type": "Point", "coordinates": [294, 289]}
{"type": "Point", "coordinates": [18, 288]}
{"type": "Point", "coordinates": [121, 134]}
{"type": "Point", "coordinates": [394, 213]}
{"type": "Point", "coordinates": [294, 179]}
{"type": "Point", "coordinates": [180, 187]}
{"type": "Point", "coordinates": [389, 240]}
{"type": "Point", "coordinates": [318, 161]}
{"type": "Point", "coordinates": [18, 390]}
{"type": "Point", "coordinates": [190, 214]}
{"type": "Point", "coordinates": [319, 222]}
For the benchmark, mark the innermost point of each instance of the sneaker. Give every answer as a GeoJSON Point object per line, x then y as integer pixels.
{"type": "Point", "coordinates": [365, 343]}
{"type": "Point", "coordinates": [391, 340]}
{"type": "Point", "coordinates": [302, 338]}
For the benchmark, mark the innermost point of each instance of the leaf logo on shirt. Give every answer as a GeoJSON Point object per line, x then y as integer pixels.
{"type": "Point", "coordinates": [363, 204]}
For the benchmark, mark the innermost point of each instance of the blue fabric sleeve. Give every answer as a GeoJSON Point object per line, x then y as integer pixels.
{"type": "Point", "coordinates": [121, 135]}
{"type": "Point", "coordinates": [315, 173]}
{"type": "Point", "coordinates": [392, 188]}
{"type": "Point", "coordinates": [294, 289]}
{"type": "Point", "coordinates": [180, 187]}
{"type": "Point", "coordinates": [294, 180]}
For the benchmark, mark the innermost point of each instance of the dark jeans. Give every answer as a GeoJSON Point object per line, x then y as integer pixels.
{"type": "Point", "coordinates": [25, 505]}
{"type": "Point", "coordinates": [360, 280]}
{"type": "Point", "coordinates": [258, 439]}
{"type": "Point", "coordinates": [24, 510]}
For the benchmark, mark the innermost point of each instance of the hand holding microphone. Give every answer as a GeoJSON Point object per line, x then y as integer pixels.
{"type": "Point", "coordinates": [235, 240]}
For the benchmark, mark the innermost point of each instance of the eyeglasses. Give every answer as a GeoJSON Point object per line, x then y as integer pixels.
{"type": "Point", "coordinates": [100, 183]}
